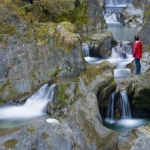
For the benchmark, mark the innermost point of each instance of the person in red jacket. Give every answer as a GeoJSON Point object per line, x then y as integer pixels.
{"type": "Point", "coordinates": [137, 54]}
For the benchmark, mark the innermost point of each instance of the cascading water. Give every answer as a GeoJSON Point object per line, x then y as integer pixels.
{"type": "Point", "coordinates": [116, 2]}
{"type": "Point", "coordinates": [125, 107]}
{"type": "Point", "coordinates": [120, 57]}
{"type": "Point", "coordinates": [119, 106]}
{"type": "Point", "coordinates": [112, 13]}
{"type": "Point", "coordinates": [118, 113]}
{"type": "Point", "coordinates": [85, 49]}
{"type": "Point", "coordinates": [35, 105]}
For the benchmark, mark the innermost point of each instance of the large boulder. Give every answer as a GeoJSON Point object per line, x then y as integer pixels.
{"type": "Point", "coordinates": [100, 44]}
{"type": "Point", "coordinates": [138, 89]}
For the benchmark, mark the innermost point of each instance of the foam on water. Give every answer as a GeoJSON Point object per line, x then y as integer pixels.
{"type": "Point", "coordinates": [35, 105]}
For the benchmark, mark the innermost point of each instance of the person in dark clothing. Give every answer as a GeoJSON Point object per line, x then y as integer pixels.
{"type": "Point", "coordinates": [137, 54]}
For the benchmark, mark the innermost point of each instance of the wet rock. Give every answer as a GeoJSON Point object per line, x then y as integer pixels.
{"type": "Point", "coordinates": [100, 45]}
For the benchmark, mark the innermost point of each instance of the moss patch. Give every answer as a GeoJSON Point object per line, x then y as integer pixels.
{"type": "Point", "coordinates": [10, 144]}
{"type": "Point", "coordinates": [60, 95]}
{"type": "Point", "coordinates": [31, 130]}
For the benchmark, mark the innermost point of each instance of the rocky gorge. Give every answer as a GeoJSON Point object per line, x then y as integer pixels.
{"type": "Point", "coordinates": [38, 46]}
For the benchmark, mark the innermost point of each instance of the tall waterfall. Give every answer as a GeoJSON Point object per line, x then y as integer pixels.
{"type": "Point", "coordinates": [118, 106]}
{"type": "Point", "coordinates": [35, 105]}
{"type": "Point", "coordinates": [85, 49]}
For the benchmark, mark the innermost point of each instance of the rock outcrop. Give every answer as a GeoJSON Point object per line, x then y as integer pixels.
{"type": "Point", "coordinates": [100, 44]}
{"type": "Point", "coordinates": [34, 54]}
{"type": "Point", "coordinates": [135, 139]}
{"type": "Point", "coordinates": [133, 14]}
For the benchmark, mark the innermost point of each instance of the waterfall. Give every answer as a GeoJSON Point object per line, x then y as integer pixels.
{"type": "Point", "coordinates": [122, 50]}
{"type": "Point", "coordinates": [34, 106]}
{"type": "Point", "coordinates": [110, 108]}
{"type": "Point", "coordinates": [112, 13]}
{"type": "Point", "coordinates": [118, 106]}
{"type": "Point", "coordinates": [126, 114]}
{"type": "Point", "coordinates": [85, 49]}
{"type": "Point", "coordinates": [116, 2]}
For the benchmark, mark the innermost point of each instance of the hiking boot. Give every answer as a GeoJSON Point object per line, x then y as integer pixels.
{"type": "Point", "coordinates": [138, 74]}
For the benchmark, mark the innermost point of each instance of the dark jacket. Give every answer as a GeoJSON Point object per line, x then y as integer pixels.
{"type": "Point", "coordinates": [137, 49]}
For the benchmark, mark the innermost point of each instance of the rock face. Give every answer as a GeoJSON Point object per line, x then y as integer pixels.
{"type": "Point", "coordinates": [95, 15]}
{"type": "Point", "coordinates": [80, 126]}
{"type": "Point", "coordinates": [145, 63]}
{"type": "Point", "coordinates": [100, 45]}
{"type": "Point", "coordinates": [145, 31]}
{"type": "Point", "coordinates": [138, 89]}
{"type": "Point", "coordinates": [86, 15]}
{"type": "Point", "coordinates": [135, 139]}
{"type": "Point", "coordinates": [43, 52]}
{"type": "Point", "coordinates": [133, 14]}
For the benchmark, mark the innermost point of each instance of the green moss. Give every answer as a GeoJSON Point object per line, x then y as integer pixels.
{"type": "Point", "coordinates": [45, 135]}
{"type": "Point", "coordinates": [43, 32]}
{"type": "Point", "coordinates": [80, 14]}
{"type": "Point", "coordinates": [10, 144]}
{"type": "Point", "coordinates": [31, 130]}
{"type": "Point", "coordinates": [60, 94]}
{"type": "Point", "coordinates": [147, 14]}
{"type": "Point", "coordinates": [7, 29]}
{"type": "Point", "coordinates": [4, 86]}
{"type": "Point", "coordinates": [55, 73]}
{"type": "Point", "coordinates": [77, 15]}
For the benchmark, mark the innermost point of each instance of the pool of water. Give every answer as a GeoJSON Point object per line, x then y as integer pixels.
{"type": "Point", "coordinates": [119, 31]}
{"type": "Point", "coordinates": [122, 125]}
{"type": "Point", "coordinates": [17, 123]}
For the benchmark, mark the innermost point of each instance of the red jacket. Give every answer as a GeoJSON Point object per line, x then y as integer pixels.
{"type": "Point", "coordinates": [137, 49]}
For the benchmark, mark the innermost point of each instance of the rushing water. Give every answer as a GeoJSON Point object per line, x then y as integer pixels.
{"type": "Point", "coordinates": [34, 108]}
{"type": "Point", "coordinates": [117, 2]}
{"type": "Point", "coordinates": [126, 35]}
{"type": "Point", "coordinates": [85, 49]}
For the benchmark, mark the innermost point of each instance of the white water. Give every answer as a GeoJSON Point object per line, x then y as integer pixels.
{"type": "Point", "coordinates": [85, 49]}
{"type": "Point", "coordinates": [117, 2]}
{"type": "Point", "coordinates": [34, 107]}
{"type": "Point", "coordinates": [124, 106]}
{"type": "Point", "coordinates": [120, 64]}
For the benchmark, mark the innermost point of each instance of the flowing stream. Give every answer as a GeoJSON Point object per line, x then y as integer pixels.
{"type": "Point", "coordinates": [34, 107]}
{"type": "Point", "coordinates": [125, 35]}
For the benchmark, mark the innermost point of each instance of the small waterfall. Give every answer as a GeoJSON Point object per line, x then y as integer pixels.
{"type": "Point", "coordinates": [126, 114]}
{"type": "Point", "coordinates": [120, 51]}
{"type": "Point", "coordinates": [116, 2]}
{"type": "Point", "coordinates": [85, 49]}
{"type": "Point", "coordinates": [34, 106]}
{"type": "Point", "coordinates": [110, 108]}
{"type": "Point", "coordinates": [118, 106]}
{"type": "Point", "coordinates": [112, 14]}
